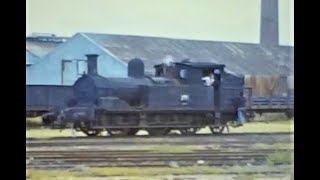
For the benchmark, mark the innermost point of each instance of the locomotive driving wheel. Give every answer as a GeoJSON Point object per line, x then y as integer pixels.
{"type": "Point", "coordinates": [189, 131]}
{"type": "Point", "coordinates": [217, 130]}
{"type": "Point", "coordinates": [123, 132]}
{"type": "Point", "coordinates": [91, 132]}
{"type": "Point", "coordinates": [132, 131]}
{"type": "Point", "coordinates": [158, 131]}
{"type": "Point", "coordinates": [85, 128]}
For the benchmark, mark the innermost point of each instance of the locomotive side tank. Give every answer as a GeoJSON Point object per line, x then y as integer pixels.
{"type": "Point", "coordinates": [178, 100]}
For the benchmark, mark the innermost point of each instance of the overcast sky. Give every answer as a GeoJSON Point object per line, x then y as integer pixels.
{"type": "Point", "coordinates": [221, 20]}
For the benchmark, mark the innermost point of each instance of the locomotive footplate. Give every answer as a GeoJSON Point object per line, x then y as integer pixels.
{"type": "Point", "coordinates": [154, 119]}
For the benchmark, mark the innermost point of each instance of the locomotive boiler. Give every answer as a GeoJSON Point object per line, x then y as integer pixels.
{"type": "Point", "coordinates": [176, 98]}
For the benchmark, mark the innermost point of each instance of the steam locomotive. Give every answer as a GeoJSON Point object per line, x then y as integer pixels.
{"type": "Point", "coordinates": [176, 98]}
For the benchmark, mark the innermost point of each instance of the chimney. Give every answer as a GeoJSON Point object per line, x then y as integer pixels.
{"type": "Point", "coordinates": [92, 61]}
{"type": "Point", "coordinates": [269, 26]}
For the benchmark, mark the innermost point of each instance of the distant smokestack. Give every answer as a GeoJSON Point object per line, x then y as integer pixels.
{"type": "Point", "coordinates": [92, 61]}
{"type": "Point", "coordinates": [269, 26]}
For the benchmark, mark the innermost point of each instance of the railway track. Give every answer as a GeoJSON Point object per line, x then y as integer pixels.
{"type": "Point", "coordinates": [235, 138]}
{"type": "Point", "coordinates": [232, 149]}
{"type": "Point", "coordinates": [68, 159]}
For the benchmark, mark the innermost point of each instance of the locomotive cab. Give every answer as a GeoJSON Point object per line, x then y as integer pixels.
{"type": "Point", "coordinates": [187, 72]}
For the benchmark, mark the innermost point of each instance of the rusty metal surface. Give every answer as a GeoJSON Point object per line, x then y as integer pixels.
{"type": "Point", "coordinates": [269, 85]}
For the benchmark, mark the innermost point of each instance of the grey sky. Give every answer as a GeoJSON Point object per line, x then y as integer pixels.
{"type": "Point", "coordinates": [222, 20]}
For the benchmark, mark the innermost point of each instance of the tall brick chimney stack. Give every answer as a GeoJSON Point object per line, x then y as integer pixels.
{"type": "Point", "coordinates": [269, 24]}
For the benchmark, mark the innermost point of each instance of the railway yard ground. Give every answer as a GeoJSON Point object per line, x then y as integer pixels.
{"type": "Point", "coordinates": [258, 126]}
{"type": "Point", "coordinates": [258, 150]}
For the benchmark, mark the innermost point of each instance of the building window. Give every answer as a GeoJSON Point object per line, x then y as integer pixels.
{"type": "Point", "coordinates": [82, 67]}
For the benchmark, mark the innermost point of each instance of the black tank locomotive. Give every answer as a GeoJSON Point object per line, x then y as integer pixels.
{"type": "Point", "coordinates": [175, 99]}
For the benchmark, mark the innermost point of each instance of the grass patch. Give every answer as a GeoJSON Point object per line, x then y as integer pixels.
{"type": "Point", "coordinates": [270, 117]}
{"type": "Point", "coordinates": [275, 146]}
{"type": "Point", "coordinates": [259, 127]}
{"type": "Point", "coordinates": [281, 157]}
{"type": "Point", "coordinates": [275, 126]}
{"type": "Point", "coordinates": [259, 169]}
{"type": "Point", "coordinates": [34, 122]}
{"type": "Point", "coordinates": [52, 174]}
{"type": "Point", "coordinates": [147, 172]}
{"type": "Point", "coordinates": [167, 148]}
{"type": "Point", "coordinates": [48, 133]}
{"type": "Point", "coordinates": [247, 177]}
{"type": "Point", "coordinates": [121, 171]}
{"type": "Point", "coordinates": [152, 171]}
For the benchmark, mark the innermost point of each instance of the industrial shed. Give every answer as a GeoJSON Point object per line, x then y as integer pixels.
{"type": "Point", "coordinates": [67, 62]}
{"type": "Point", "coordinates": [268, 66]}
{"type": "Point", "coordinates": [255, 61]}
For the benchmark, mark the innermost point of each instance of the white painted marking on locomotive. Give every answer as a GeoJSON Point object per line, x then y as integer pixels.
{"type": "Point", "coordinates": [184, 99]}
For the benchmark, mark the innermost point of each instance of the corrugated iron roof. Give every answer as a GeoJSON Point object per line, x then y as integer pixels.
{"type": "Point", "coordinates": [41, 46]}
{"type": "Point", "coordinates": [244, 58]}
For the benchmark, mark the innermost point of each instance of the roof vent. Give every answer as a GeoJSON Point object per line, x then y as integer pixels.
{"type": "Point", "coordinates": [42, 35]}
